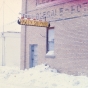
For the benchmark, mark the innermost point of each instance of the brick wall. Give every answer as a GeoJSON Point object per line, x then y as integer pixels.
{"type": "Point", "coordinates": [71, 40]}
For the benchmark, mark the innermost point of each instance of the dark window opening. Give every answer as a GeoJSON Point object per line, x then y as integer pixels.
{"type": "Point", "coordinates": [50, 39]}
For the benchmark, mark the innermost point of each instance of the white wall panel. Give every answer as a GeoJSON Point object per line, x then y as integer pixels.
{"type": "Point", "coordinates": [12, 49]}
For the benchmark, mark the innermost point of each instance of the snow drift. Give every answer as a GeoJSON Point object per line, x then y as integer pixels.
{"type": "Point", "coordinates": [41, 76]}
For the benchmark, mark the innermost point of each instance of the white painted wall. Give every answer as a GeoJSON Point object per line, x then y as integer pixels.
{"type": "Point", "coordinates": [12, 49]}
{"type": "Point", "coordinates": [0, 51]}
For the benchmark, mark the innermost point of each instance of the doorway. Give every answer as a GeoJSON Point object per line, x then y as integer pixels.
{"type": "Point", "coordinates": [33, 55]}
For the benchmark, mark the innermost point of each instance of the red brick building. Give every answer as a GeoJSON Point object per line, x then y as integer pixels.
{"type": "Point", "coordinates": [63, 45]}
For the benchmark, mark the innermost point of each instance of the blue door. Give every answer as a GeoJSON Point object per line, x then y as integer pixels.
{"type": "Point", "coordinates": [33, 55]}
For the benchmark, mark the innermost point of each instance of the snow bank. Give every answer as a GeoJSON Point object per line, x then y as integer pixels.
{"type": "Point", "coordinates": [41, 76]}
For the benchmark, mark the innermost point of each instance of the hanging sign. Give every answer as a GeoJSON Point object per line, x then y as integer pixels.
{"type": "Point", "coordinates": [30, 22]}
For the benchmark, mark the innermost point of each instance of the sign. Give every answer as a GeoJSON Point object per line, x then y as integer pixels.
{"type": "Point", "coordinates": [63, 11]}
{"type": "Point", "coordinates": [43, 1]}
{"type": "Point", "coordinates": [30, 22]}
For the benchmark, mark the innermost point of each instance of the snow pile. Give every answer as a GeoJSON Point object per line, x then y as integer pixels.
{"type": "Point", "coordinates": [41, 76]}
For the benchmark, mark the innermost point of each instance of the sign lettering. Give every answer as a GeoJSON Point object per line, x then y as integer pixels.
{"type": "Point", "coordinates": [71, 9]}
{"type": "Point", "coordinates": [29, 22]}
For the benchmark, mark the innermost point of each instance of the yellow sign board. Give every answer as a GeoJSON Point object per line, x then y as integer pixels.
{"type": "Point", "coordinates": [30, 22]}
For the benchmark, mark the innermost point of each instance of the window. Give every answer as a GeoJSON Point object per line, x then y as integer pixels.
{"type": "Point", "coordinates": [50, 41]}
{"type": "Point", "coordinates": [43, 1]}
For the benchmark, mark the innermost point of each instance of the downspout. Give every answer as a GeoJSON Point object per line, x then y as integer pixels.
{"type": "Point", "coordinates": [3, 40]}
{"type": "Point", "coordinates": [25, 36]}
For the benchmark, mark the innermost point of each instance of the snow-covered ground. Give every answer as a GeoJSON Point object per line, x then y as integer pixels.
{"type": "Point", "coordinates": [40, 76]}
